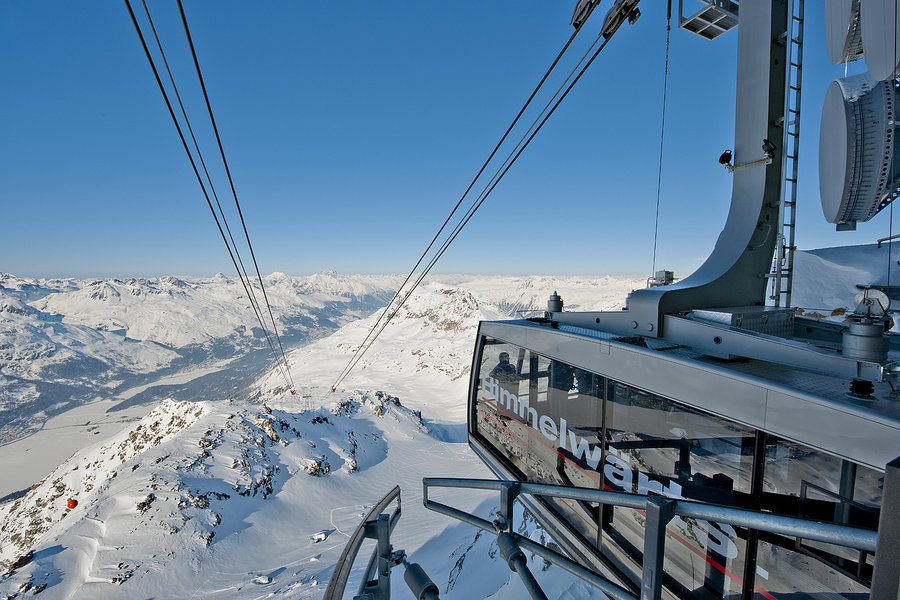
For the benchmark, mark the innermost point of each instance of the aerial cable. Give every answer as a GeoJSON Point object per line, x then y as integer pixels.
{"type": "Point", "coordinates": [468, 189]}
{"type": "Point", "coordinates": [531, 127]}
{"type": "Point", "coordinates": [191, 159]}
{"type": "Point", "coordinates": [472, 210]}
{"type": "Point", "coordinates": [248, 288]}
{"type": "Point", "coordinates": [455, 208]}
{"type": "Point", "coordinates": [360, 352]}
{"type": "Point", "coordinates": [254, 303]}
{"type": "Point", "coordinates": [230, 180]}
{"type": "Point", "coordinates": [190, 156]}
{"type": "Point", "coordinates": [662, 135]}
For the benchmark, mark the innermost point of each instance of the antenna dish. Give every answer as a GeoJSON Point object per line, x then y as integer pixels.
{"type": "Point", "coordinates": [858, 173]}
{"type": "Point", "coordinates": [880, 21]}
{"type": "Point", "coordinates": [843, 34]}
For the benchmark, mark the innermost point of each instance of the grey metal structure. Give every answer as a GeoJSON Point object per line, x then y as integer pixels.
{"type": "Point", "coordinates": [803, 405]}
{"type": "Point", "coordinates": [378, 526]}
{"type": "Point", "coordinates": [794, 423]}
{"type": "Point", "coordinates": [376, 580]}
{"type": "Point", "coordinates": [735, 272]}
{"type": "Point", "coordinates": [660, 511]}
{"type": "Point", "coordinates": [781, 399]}
{"type": "Point", "coordinates": [712, 19]}
{"type": "Point", "coordinates": [705, 346]}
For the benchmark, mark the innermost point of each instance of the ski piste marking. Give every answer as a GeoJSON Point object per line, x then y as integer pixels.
{"type": "Point", "coordinates": [606, 487]}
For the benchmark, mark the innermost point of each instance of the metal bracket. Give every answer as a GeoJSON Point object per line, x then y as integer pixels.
{"type": "Point", "coordinates": [660, 511]}
{"type": "Point", "coordinates": [508, 494]}
{"type": "Point", "coordinates": [765, 160]}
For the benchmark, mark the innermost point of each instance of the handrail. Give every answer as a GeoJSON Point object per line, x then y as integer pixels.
{"type": "Point", "coordinates": [341, 574]}
{"type": "Point", "coordinates": [886, 239]}
{"type": "Point", "coordinates": [659, 510]}
{"type": "Point", "coordinates": [843, 535]}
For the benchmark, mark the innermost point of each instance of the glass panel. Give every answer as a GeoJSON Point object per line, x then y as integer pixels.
{"type": "Point", "coordinates": [869, 488]}
{"type": "Point", "coordinates": [548, 422]}
{"type": "Point", "coordinates": [497, 417]}
{"type": "Point", "coordinates": [783, 573]}
{"type": "Point", "coordinates": [655, 445]}
{"type": "Point", "coordinates": [808, 483]}
{"type": "Point", "coordinates": [545, 418]}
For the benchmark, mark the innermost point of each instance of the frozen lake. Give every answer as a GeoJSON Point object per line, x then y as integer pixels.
{"type": "Point", "coordinates": [27, 460]}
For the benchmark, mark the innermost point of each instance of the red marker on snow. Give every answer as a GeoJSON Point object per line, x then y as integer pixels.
{"type": "Point", "coordinates": [293, 393]}
{"type": "Point", "coordinates": [72, 503]}
{"type": "Point", "coordinates": [333, 390]}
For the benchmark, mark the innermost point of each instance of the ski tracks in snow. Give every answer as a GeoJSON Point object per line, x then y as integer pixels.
{"type": "Point", "coordinates": [337, 528]}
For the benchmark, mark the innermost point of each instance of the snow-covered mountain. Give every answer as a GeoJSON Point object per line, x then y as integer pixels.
{"type": "Point", "coordinates": [217, 497]}
{"type": "Point", "coordinates": [255, 496]}
{"type": "Point", "coordinates": [65, 342]}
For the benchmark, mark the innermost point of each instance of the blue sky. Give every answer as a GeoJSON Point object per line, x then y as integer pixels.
{"type": "Point", "coordinates": [352, 129]}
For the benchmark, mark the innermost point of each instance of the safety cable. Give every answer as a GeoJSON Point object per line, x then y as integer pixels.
{"type": "Point", "coordinates": [194, 167]}
{"type": "Point", "coordinates": [468, 189]}
{"type": "Point", "coordinates": [662, 136]}
{"type": "Point", "coordinates": [607, 36]}
{"type": "Point", "coordinates": [254, 303]}
{"type": "Point", "coordinates": [230, 180]}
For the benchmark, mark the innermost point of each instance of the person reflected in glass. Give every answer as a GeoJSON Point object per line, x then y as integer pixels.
{"type": "Point", "coordinates": [505, 374]}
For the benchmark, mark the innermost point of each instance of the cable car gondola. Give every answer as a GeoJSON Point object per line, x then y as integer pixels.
{"type": "Point", "coordinates": [698, 390]}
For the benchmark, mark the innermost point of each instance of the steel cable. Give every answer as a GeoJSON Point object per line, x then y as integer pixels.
{"type": "Point", "coordinates": [231, 181]}
{"type": "Point", "coordinates": [496, 180]}
{"type": "Point", "coordinates": [254, 303]}
{"type": "Point", "coordinates": [662, 136]}
{"type": "Point", "coordinates": [199, 178]}
{"type": "Point", "coordinates": [456, 207]}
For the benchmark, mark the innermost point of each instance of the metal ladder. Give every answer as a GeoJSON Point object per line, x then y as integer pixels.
{"type": "Point", "coordinates": [783, 265]}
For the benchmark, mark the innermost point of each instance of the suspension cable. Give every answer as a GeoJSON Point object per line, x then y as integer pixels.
{"type": "Point", "coordinates": [459, 202]}
{"type": "Point", "coordinates": [230, 180]}
{"type": "Point", "coordinates": [254, 303]}
{"type": "Point", "coordinates": [662, 136]}
{"type": "Point", "coordinates": [181, 136]}
{"type": "Point", "coordinates": [471, 212]}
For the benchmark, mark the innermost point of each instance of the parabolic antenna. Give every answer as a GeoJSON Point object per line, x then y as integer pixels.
{"type": "Point", "coordinates": [880, 20]}
{"type": "Point", "coordinates": [842, 31]}
{"type": "Point", "coordinates": [858, 173]}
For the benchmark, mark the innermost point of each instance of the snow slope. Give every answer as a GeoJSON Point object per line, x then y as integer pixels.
{"type": "Point", "coordinates": [207, 499]}
{"type": "Point", "coordinates": [252, 498]}
{"type": "Point", "coordinates": [826, 278]}
{"type": "Point", "coordinates": [66, 342]}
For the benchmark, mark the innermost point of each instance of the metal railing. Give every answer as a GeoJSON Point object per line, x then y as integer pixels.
{"type": "Point", "coordinates": [659, 512]}
{"type": "Point", "coordinates": [375, 525]}
{"type": "Point", "coordinates": [378, 526]}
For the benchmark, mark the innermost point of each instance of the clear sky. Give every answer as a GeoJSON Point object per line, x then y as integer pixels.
{"type": "Point", "coordinates": [351, 130]}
